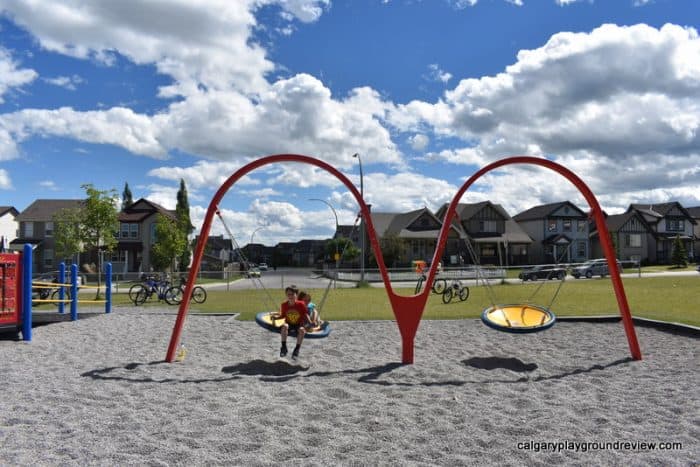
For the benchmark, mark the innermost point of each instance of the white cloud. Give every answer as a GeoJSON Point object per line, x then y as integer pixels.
{"type": "Point", "coordinates": [616, 98]}
{"type": "Point", "coordinates": [118, 126]}
{"type": "Point", "coordinates": [5, 180]}
{"type": "Point", "coordinates": [11, 76]}
{"type": "Point", "coordinates": [435, 73]}
{"type": "Point", "coordinates": [206, 42]}
{"type": "Point", "coordinates": [306, 11]}
{"type": "Point", "coordinates": [418, 141]}
{"type": "Point", "coordinates": [68, 82]}
{"type": "Point", "coordinates": [48, 184]}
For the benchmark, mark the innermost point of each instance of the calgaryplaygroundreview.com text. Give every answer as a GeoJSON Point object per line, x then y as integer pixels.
{"type": "Point", "coordinates": [585, 446]}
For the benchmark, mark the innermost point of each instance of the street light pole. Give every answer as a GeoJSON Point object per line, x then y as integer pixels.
{"type": "Point", "coordinates": [337, 254]}
{"type": "Point", "coordinates": [252, 235]}
{"type": "Point", "coordinates": [362, 223]}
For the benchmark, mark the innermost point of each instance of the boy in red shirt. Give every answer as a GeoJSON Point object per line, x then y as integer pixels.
{"type": "Point", "coordinates": [295, 315]}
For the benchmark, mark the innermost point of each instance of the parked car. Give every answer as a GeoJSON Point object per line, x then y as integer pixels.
{"type": "Point", "coordinates": [543, 271]}
{"type": "Point", "coordinates": [252, 272]}
{"type": "Point", "coordinates": [594, 267]}
{"type": "Point", "coordinates": [262, 266]}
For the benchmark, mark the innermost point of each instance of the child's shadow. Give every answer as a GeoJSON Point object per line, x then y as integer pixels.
{"type": "Point", "coordinates": [264, 368]}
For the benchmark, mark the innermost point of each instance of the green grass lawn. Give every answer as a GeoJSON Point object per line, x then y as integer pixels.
{"type": "Point", "coordinates": [673, 299]}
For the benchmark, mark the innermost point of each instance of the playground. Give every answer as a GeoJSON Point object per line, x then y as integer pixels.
{"type": "Point", "coordinates": [97, 391]}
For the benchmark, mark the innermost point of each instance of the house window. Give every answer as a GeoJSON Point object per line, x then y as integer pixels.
{"type": "Point", "coordinates": [153, 233]}
{"type": "Point", "coordinates": [551, 225]}
{"type": "Point", "coordinates": [118, 256]}
{"type": "Point", "coordinates": [581, 226]}
{"type": "Point", "coordinates": [48, 229]}
{"type": "Point", "coordinates": [29, 229]}
{"type": "Point", "coordinates": [488, 250]}
{"type": "Point", "coordinates": [566, 225]}
{"type": "Point", "coordinates": [487, 226]}
{"type": "Point", "coordinates": [581, 249]}
{"type": "Point", "coordinates": [134, 230]}
{"type": "Point", "coordinates": [48, 258]}
{"type": "Point", "coordinates": [633, 240]}
{"type": "Point", "coordinates": [125, 230]}
{"type": "Point", "coordinates": [675, 225]}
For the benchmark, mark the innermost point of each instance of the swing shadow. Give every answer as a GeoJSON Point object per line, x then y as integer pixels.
{"type": "Point", "coordinates": [105, 374]}
{"type": "Point", "coordinates": [282, 371]}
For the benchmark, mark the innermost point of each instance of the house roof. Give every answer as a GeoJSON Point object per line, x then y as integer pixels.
{"type": "Point", "coordinates": [142, 209]}
{"type": "Point", "coordinates": [217, 242]}
{"type": "Point", "coordinates": [43, 210]}
{"type": "Point", "coordinates": [615, 222]}
{"type": "Point", "coordinates": [544, 211]}
{"type": "Point", "coordinates": [5, 209]}
{"type": "Point", "coordinates": [694, 212]}
{"type": "Point", "coordinates": [391, 223]}
{"type": "Point", "coordinates": [513, 233]}
{"type": "Point", "coordinates": [659, 211]}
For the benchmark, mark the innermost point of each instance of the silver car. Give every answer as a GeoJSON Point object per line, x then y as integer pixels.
{"type": "Point", "coordinates": [594, 267]}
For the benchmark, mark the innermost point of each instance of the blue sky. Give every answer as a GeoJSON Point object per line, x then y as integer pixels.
{"type": "Point", "coordinates": [427, 92]}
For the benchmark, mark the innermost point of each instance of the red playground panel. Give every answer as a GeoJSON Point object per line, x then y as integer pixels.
{"type": "Point", "coordinates": [10, 292]}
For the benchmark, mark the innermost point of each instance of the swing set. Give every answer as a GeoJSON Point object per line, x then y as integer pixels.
{"type": "Point", "coordinates": [517, 318]}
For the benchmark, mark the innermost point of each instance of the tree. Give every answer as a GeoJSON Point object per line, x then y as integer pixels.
{"type": "Point", "coordinates": [127, 198]}
{"type": "Point", "coordinates": [89, 227]}
{"type": "Point", "coordinates": [678, 256]}
{"type": "Point", "coordinates": [393, 248]}
{"type": "Point", "coordinates": [67, 235]}
{"type": "Point", "coordinates": [344, 247]}
{"type": "Point", "coordinates": [184, 224]}
{"type": "Point", "coordinates": [100, 221]}
{"type": "Point", "coordinates": [170, 243]}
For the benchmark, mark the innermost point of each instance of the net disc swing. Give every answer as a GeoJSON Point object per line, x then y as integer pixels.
{"type": "Point", "coordinates": [519, 318]}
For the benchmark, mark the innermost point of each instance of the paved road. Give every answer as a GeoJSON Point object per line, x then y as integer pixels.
{"type": "Point", "coordinates": [304, 279]}
{"type": "Point", "coordinates": [279, 279]}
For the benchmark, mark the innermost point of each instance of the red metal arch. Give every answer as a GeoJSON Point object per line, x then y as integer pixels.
{"type": "Point", "coordinates": [407, 309]}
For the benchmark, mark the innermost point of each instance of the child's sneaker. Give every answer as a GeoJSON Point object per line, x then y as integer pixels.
{"type": "Point", "coordinates": [283, 351]}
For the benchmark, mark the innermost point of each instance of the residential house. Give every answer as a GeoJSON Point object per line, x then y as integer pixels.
{"type": "Point", "coordinates": [668, 221]}
{"type": "Point", "coordinates": [137, 235]}
{"type": "Point", "coordinates": [495, 237]}
{"type": "Point", "coordinates": [695, 214]}
{"type": "Point", "coordinates": [218, 252]}
{"type": "Point", "coordinates": [259, 253]}
{"type": "Point", "coordinates": [36, 227]}
{"type": "Point", "coordinates": [559, 232]}
{"type": "Point", "coordinates": [283, 254]}
{"type": "Point", "coordinates": [417, 229]}
{"type": "Point", "coordinates": [633, 237]}
{"type": "Point", "coordinates": [8, 225]}
{"type": "Point", "coordinates": [308, 252]}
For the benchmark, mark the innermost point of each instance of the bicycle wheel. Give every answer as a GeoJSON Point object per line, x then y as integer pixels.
{"type": "Point", "coordinates": [464, 293]}
{"type": "Point", "coordinates": [140, 295]}
{"type": "Point", "coordinates": [439, 286]}
{"type": "Point", "coordinates": [419, 285]}
{"type": "Point", "coordinates": [199, 295]}
{"type": "Point", "coordinates": [447, 295]}
{"type": "Point", "coordinates": [173, 295]}
{"type": "Point", "coordinates": [55, 296]}
{"type": "Point", "coordinates": [133, 290]}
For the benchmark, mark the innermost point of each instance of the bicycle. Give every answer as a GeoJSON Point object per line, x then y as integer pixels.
{"type": "Point", "coordinates": [199, 294]}
{"type": "Point", "coordinates": [455, 289]}
{"type": "Point", "coordinates": [139, 293]}
{"type": "Point", "coordinates": [439, 285]}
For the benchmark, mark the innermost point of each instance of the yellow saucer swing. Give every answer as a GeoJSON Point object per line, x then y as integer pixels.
{"type": "Point", "coordinates": [518, 318]}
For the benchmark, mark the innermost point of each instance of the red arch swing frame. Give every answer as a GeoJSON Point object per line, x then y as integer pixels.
{"type": "Point", "coordinates": [408, 310]}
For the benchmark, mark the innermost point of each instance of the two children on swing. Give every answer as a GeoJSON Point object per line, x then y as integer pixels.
{"type": "Point", "coordinates": [298, 313]}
